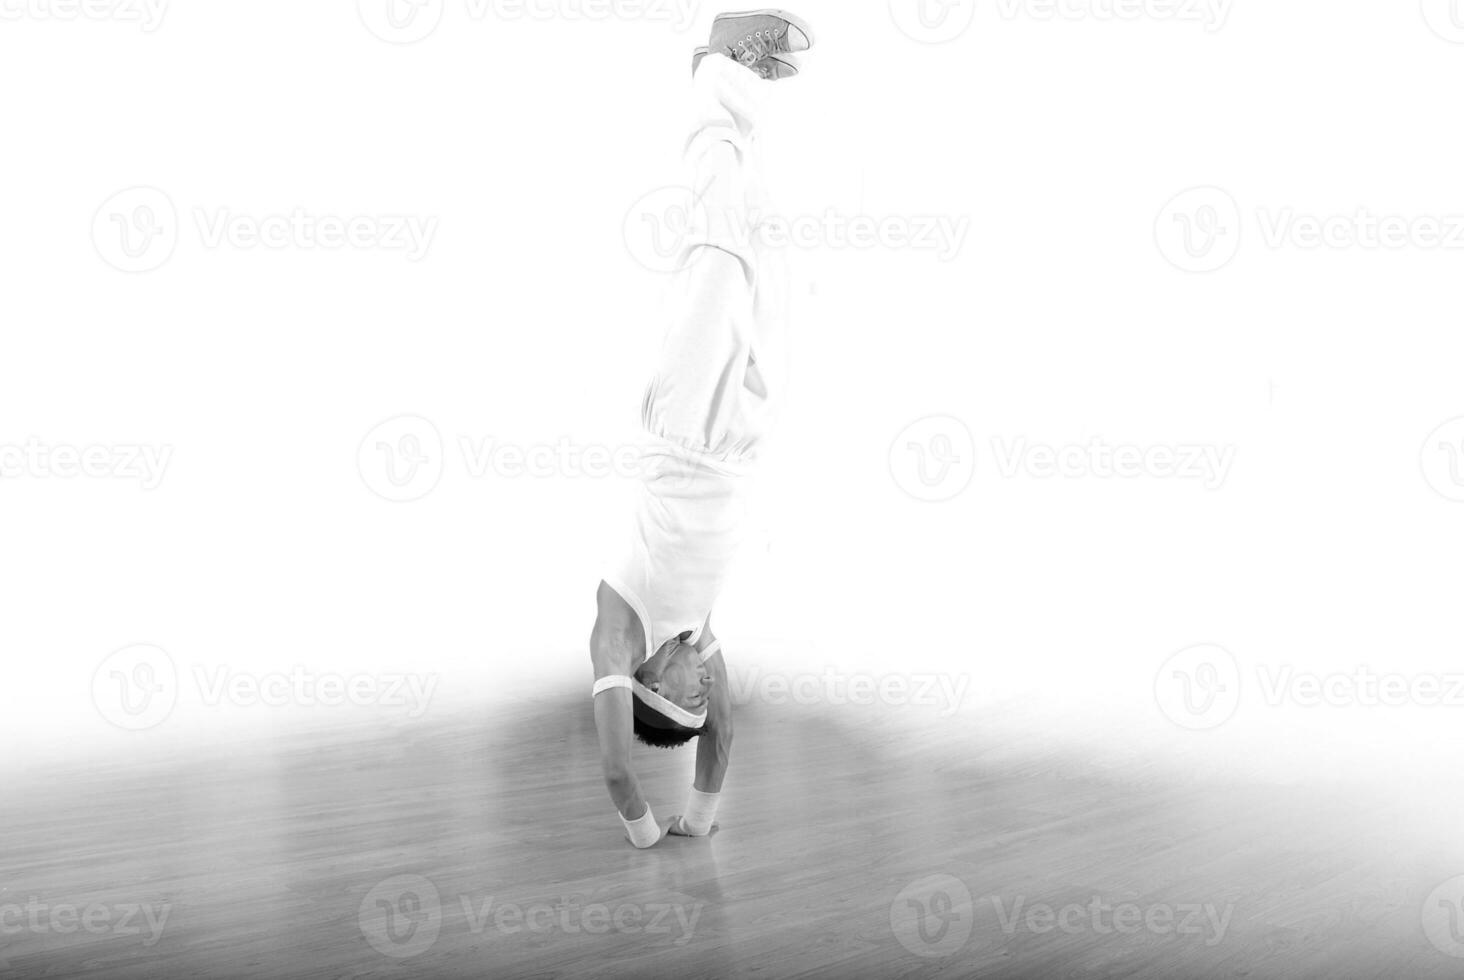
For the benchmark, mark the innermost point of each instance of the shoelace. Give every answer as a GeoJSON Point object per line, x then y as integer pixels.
{"type": "Point", "coordinates": [755, 47]}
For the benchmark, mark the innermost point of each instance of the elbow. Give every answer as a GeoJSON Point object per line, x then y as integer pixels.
{"type": "Point", "coordinates": [619, 777]}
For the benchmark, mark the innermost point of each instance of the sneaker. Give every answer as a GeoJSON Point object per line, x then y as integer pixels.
{"type": "Point", "coordinates": [773, 68]}
{"type": "Point", "coordinates": [753, 36]}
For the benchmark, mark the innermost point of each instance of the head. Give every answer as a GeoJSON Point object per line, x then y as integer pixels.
{"type": "Point", "coordinates": [677, 674]}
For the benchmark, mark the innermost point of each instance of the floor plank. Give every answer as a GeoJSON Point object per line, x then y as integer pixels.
{"type": "Point", "coordinates": [268, 858]}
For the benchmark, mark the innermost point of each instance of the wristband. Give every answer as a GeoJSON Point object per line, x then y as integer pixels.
{"type": "Point", "coordinates": [611, 683]}
{"type": "Point", "coordinates": [643, 833]}
{"type": "Point", "coordinates": [701, 810]}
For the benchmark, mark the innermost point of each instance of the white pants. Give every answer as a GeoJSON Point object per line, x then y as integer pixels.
{"type": "Point", "coordinates": [710, 403]}
{"type": "Point", "coordinates": [718, 375]}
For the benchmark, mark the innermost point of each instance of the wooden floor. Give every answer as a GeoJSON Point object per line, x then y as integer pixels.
{"type": "Point", "coordinates": [379, 850]}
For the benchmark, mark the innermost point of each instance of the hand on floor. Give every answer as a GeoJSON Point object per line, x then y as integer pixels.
{"type": "Point", "coordinates": [677, 828]}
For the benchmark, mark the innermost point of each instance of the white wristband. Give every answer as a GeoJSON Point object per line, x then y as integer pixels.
{"type": "Point", "coordinates": [701, 811]}
{"type": "Point", "coordinates": [643, 833]}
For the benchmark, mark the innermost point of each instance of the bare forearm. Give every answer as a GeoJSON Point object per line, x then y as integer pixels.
{"type": "Point", "coordinates": [625, 790]}
{"type": "Point", "coordinates": [713, 752]}
{"type": "Point", "coordinates": [613, 651]}
{"type": "Point", "coordinates": [714, 748]}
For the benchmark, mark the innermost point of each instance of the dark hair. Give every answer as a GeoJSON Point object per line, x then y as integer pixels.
{"type": "Point", "coordinates": [663, 738]}
{"type": "Point", "coordinates": [653, 728]}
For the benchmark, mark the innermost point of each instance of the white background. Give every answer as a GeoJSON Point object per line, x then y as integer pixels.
{"type": "Point", "coordinates": [527, 137]}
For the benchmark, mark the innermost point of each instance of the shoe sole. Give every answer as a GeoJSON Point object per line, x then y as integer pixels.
{"type": "Point", "coordinates": [797, 23]}
{"type": "Point", "coordinates": [793, 69]}
{"type": "Point", "coordinates": [700, 53]}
